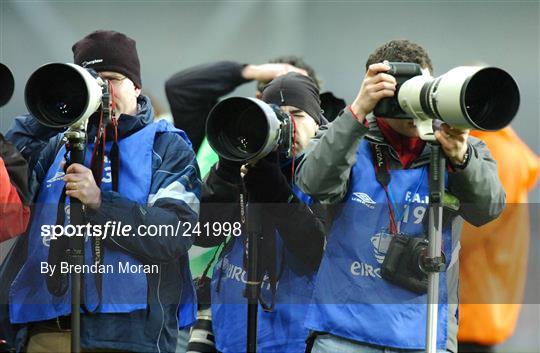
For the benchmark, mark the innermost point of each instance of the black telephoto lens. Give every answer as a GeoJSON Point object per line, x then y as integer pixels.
{"type": "Point", "coordinates": [243, 129]}
{"type": "Point", "coordinates": [7, 84]}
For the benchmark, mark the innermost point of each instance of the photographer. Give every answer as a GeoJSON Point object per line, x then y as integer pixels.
{"type": "Point", "coordinates": [380, 201]}
{"type": "Point", "coordinates": [289, 257]}
{"type": "Point", "coordinates": [149, 178]}
{"type": "Point", "coordinates": [14, 215]}
{"type": "Point", "coordinates": [193, 92]}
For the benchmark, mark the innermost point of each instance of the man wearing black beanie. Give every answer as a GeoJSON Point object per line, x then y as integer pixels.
{"type": "Point", "coordinates": [298, 96]}
{"type": "Point", "coordinates": [137, 289]}
{"type": "Point", "coordinates": [293, 233]}
{"type": "Point", "coordinates": [113, 56]}
{"type": "Point", "coordinates": [376, 170]}
{"type": "Point", "coordinates": [192, 93]}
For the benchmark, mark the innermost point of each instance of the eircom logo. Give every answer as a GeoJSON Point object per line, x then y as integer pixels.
{"type": "Point", "coordinates": [238, 274]}
{"type": "Point", "coordinates": [364, 199]}
{"type": "Point", "coordinates": [380, 243]}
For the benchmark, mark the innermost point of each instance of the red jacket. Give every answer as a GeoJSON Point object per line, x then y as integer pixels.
{"type": "Point", "coordinates": [14, 214]}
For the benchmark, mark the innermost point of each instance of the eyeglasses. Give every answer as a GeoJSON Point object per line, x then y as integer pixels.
{"type": "Point", "coordinates": [115, 79]}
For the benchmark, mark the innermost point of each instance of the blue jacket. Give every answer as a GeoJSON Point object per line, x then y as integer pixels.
{"type": "Point", "coordinates": [350, 283]}
{"type": "Point", "coordinates": [175, 193]}
{"type": "Point", "coordinates": [326, 174]}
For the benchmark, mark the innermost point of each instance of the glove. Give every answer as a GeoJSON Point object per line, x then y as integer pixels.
{"type": "Point", "coordinates": [229, 170]}
{"type": "Point", "coordinates": [266, 183]}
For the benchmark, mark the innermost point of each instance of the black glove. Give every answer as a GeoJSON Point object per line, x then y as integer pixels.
{"type": "Point", "coordinates": [266, 183]}
{"type": "Point", "coordinates": [229, 170]}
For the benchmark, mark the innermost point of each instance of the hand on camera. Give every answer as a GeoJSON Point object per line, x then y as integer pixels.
{"type": "Point", "coordinates": [229, 170]}
{"type": "Point", "coordinates": [267, 72]}
{"type": "Point", "coordinates": [453, 142]}
{"type": "Point", "coordinates": [265, 182]}
{"type": "Point", "coordinates": [375, 86]}
{"type": "Point", "coordinates": [80, 184]}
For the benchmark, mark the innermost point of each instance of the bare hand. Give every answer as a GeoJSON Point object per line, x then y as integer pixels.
{"type": "Point", "coordinates": [375, 86]}
{"type": "Point", "coordinates": [453, 142]}
{"type": "Point", "coordinates": [267, 72]}
{"type": "Point", "coordinates": [80, 184]}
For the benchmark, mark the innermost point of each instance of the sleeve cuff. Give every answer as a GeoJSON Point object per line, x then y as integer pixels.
{"type": "Point", "coordinates": [352, 124]}
{"type": "Point", "coordinates": [101, 214]}
{"type": "Point", "coordinates": [467, 158]}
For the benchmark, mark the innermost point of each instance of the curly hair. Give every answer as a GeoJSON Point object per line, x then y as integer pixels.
{"type": "Point", "coordinates": [294, 61]}
{"type": "Point", "coordinates": [400, 50]}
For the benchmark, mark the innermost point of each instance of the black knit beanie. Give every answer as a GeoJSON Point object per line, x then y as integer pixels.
{"type": "Point", "coordinates": [109, 51]}
{"type": "Point", "coordinates": [295, 90]}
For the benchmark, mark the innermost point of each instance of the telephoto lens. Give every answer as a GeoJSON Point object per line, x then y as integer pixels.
{"type": "Point", "coordinates": [201, 338]}
{"type": "Point", "coordinates": [247, 129]}
{"type": "Point", "coordinates": [7, 85]}
{"type": "Point", "coordinates": [61, 95]}
{"type": "Point", "coordinates": [466, 97]}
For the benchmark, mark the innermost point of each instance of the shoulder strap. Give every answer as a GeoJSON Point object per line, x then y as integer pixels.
{"type": "Point", "coordinates": [380, 164]}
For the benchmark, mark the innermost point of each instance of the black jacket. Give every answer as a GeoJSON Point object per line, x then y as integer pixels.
{"type": "Point", "coordinates": [192, 93]}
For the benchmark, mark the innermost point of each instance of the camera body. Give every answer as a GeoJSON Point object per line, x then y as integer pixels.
{"type": "Point", "coordinates": [404, 263]}
{"type": "Point", "coordinates": [285, 135]}
{"type": "Point", "coordinates": [389, 107]}
{"type": "Point", "coordinates": [201, 337]}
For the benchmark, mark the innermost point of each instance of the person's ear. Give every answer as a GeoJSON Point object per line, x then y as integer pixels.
{"type": "Point", "coordinates": [137, 91]}
{"type": "Point", "coordinates": [258, 94]}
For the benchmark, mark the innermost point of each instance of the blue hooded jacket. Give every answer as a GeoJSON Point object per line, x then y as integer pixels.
{"type": "Point", "coordinates": [175, 193]}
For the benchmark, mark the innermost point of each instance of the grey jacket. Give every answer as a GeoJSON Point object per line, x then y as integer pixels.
{"type": "Point", "coordinates": [325, 171]}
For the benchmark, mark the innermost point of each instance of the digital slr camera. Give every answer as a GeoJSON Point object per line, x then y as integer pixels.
{"type": "Point", "coordinates": [405, 263]}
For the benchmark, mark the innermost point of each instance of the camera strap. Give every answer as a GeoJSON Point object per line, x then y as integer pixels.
{"type": "Point", "coordinates": [97, 166]}
{"type": "Point", "coordinates": [293, 147]}
{"type": "Point", "coordinates": [267, 245]}
{"type": "Point", "coordinates": [383, 177]}
{"type": "Point", "coordinates": [269, 266]}
{"type": "Point", "coordinates": [382, 174]}
{"type": "Point", "coordinates": [274, 280]}
{"type": "Point", "coordinates": [242, 204]}
{"type": "Point", "coordinates": [58, 283]}
{"type": "Point", "coordinates": [222, 261]}
{"type": "Point", "coordinates": [115, 149]}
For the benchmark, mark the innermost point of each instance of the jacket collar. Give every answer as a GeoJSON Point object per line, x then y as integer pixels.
{"type": "Point", "coordinates": [375, 136]}
{"type": "Point", "coordinates": [127, 124]}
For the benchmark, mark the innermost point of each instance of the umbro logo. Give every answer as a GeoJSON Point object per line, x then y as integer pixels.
{"type": "Point", "coordinates": [364, 199]}
{"type": "Point", "coordinates": [57, 177]}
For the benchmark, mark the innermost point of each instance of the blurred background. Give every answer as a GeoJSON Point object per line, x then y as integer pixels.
{"type": "Point", "coordinates": [335, 37]}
